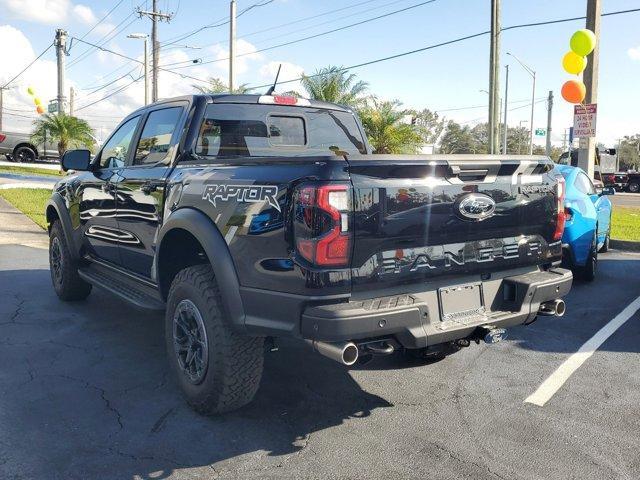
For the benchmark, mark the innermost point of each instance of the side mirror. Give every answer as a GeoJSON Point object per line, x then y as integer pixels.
{"type": "Point", "coordinates": [76, 160]}
{"type": "Point", "coordinates": [608, 191]}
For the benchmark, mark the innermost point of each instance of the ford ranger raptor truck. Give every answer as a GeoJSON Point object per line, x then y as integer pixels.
{"type": "Point", "coordinates": [250, 217]}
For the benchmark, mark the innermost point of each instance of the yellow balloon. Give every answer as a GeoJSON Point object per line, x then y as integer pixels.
{"type": "Point", "coordinates": [583, 42]}
{"type": "Point", "coordinates": [30, 90]}
{"type": "Point", "coordinates": [37, 101]}
{"type": "Point", "coordinates": [573, 63]}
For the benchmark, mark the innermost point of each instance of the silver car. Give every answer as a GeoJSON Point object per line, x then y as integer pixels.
{"type": "Point", "coordinates": [18, 147]}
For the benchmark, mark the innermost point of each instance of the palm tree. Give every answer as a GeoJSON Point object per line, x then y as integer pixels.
{"type": "Point", "coordinates": [336, 85]}
{"type": "Point", "coordinates": [216, 85]}
{"type": "Point", "coordinates": [386, 131]}
{"type": "Point", "coordinates": [68, 131]}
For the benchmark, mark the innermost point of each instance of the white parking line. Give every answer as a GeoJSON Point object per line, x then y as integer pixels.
{"type": "Point", "coordinates": [552, 384]}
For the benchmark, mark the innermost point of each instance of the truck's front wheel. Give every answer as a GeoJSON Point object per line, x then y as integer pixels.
{"type": "Point", "coordinates": [217, 369]}
{"type": "Point", "coordinates": [64, 271]}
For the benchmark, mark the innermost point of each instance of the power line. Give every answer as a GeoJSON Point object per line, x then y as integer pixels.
{"type": "Point", "coordinates": [28, 66]}
{"type": "Point", "coordinates": [442, 44]}
{"type": "Point", "coordinates": [118, 90]}
{"type": "Point", "coordinates": [114, 32]}
{"type": "Point", "coordinates": [217, 23]}
{"type": "Point", "coordinates": [481, 106]}
{"type": "Point", "coordinates": [182, 75]}
{"type": "Point", "coordinates": [318, 34]}
{"type": "Point", "coordinates": [199, 60]}
{"type": "Point", "coordinates": [103, 18]}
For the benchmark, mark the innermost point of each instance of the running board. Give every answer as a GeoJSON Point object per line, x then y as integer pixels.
{"type": "Point", "coordinates": [122, 285]}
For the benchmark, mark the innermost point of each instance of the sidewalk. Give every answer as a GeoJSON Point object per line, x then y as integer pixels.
{"type": "Point", "coordinates": [18, 229]}
{"type": "Point", "coordinates": [45, 166]}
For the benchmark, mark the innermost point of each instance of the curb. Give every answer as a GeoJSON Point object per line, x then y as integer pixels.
{"type": "Point", "coordinates": [625, 245]}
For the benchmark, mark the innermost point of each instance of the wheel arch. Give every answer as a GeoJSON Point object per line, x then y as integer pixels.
{"type": "Point", "coordinates": [56, 210]}
{"type": "Point", "coordinates": [189, 224]}
{"type": "Point", "coordinates": [26, 144]}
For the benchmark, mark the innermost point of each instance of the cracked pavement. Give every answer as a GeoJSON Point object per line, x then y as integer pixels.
{"type": "Point", "coordinates": [85, 393]}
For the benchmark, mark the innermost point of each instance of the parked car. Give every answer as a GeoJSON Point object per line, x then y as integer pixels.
{"type": "Point", "coordinates": [247, 217]}
{"type": "Point", "coordinates": [18, 147]}
{"type": "Point", "coordinates": [633, 182]}
{"type": "Point", "coordinates": [587, 221]}
{"type": "Point", "coordinates": [617, 180]}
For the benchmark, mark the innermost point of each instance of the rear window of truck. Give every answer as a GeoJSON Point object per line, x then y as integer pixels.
{"type": "Point", "coordinates": [240, 130]}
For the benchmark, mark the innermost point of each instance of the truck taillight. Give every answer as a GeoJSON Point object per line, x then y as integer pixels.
{"type": "Point", "coordinates": [321, 224]}
{"type": "Point", "coordinates": [2, 137]}
{"type": "Point", "coordinates": [561, 216]}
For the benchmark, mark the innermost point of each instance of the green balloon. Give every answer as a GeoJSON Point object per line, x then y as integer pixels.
{"type": "Point", "coordinates": [583, 42]}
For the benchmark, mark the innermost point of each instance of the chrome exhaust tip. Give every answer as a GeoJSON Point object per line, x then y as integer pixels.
{"type": "Point", "coordinates": [555, 307]}
{"type": "Point", "coordinates": [345, 353]}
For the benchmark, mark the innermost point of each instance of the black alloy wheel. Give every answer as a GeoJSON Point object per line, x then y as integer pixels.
{"type": "Point", "coordinates": [190, 341]}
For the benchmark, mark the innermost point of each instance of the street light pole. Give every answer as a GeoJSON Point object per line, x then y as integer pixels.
{"type": "Point", "coordinates": [144, 36]}
{"type": "Point", "coordinates": [232, 44]}
{"type": "Point", "coordinates": [531, 72]}
{"type": "Point", "coordinates": [506, 95]}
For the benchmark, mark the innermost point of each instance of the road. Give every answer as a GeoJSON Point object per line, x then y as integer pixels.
{"type": "Point", "coordinates": [626, 199]}
{"type": "Point", "coordinates": [85, 394]}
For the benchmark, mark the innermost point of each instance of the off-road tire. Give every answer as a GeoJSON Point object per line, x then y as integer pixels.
{"type": "Point", "coordinates": [234, 361]}
{"type": "Point", "coordinates": [634, 187]}
{"type": "Point", "coordinates": [588, 272]}
{"type": "Point", "coordinates": [64, 271]}
{"type": "Point", "coordinates": [24, 154]}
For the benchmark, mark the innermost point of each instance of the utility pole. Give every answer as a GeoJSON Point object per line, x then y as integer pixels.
{"type": "Point", "coordinates": [155, 15]}
{"type": "Point", "coordinates": [60, 43]}
{"type": "Point", "coordinates": [1, 95]}
{"type": "Point", "coordinates": [587, 148]}
{"type": "Point", "coordinates": [494, 78]}
{"type": "Point", "coordinates": [72, 95]}
{"type": "Point", "coordinates": [549, 113]}
{"type": "Point", "coordinates": [506, 100]}
{"type": "Point", "coordinates": [232, 44]}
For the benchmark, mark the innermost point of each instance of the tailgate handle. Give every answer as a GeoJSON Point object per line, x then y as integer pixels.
{"type": "Point", "coordinates": [456, 171]}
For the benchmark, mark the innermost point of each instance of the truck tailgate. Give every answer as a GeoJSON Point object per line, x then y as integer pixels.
{"type": "Point", "coordinates": [424, 217]}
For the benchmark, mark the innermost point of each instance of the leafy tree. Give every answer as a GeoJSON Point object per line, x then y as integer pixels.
{"type": "Point", "coordinates": [457, 139]}
{"type": "Point", "coordinates": [68, 131]}
{"type": "Point", "coordinates": [216, 85]}
{"type": "Point", "coordinates": [428, 124]}
{"type": "Point", "coordinates": [554, 155]}
{"type": "Point", "coordinates": [629, 153]}
{"type": "Point", "coordinates": [333, 84]}
{"type": "Point", "coordinates": [518, 140]}
{"type": "Point", "coordinates": [387, 133]}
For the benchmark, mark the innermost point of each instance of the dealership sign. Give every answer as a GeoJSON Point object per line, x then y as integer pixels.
{"type": "Point", "coordinates": [584, 120]}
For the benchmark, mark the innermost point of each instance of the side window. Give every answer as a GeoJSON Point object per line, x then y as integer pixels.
{"type": "Point", "coordinates": [584, 185]}
{"type": "Point", "coordinates": [115, 151]}
{"type": "Point", "coordinates": [155, 141]}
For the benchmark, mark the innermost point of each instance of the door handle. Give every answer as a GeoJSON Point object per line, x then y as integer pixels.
{"type": "Point", "coordinates": [108, 187]}
{"type": "Point", "coordinates": [150, 187]}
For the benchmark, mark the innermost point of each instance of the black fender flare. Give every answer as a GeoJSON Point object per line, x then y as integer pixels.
{"type": "Point", "coordinates": [57, 203]}
{"type": "Point", "coordinates": [206, 232]}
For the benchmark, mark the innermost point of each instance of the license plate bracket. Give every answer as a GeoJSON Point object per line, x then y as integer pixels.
{"type": "Point", "coordinates": [461, 302]}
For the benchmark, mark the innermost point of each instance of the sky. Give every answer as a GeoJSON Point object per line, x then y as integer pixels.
{"type": "Point", "coordinates": [449, 79]}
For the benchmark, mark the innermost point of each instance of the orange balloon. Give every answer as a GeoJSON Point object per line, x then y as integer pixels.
{"type": "Point", "coordinates": [574, 91]}
{"type": "Point", "coordinates": [40, 109]}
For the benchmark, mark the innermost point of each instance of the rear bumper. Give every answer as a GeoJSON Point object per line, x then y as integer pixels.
{"type": "Point", "coordinates": [414, 319]}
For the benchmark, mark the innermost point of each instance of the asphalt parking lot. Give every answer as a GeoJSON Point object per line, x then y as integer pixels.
{"type": "Point", "coordinates": [85, 394]}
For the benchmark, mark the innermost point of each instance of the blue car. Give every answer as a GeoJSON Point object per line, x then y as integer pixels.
{"type": "Point", "coordinates": [588, 221]}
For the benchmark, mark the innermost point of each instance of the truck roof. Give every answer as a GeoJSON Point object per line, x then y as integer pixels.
{"type": "Point", "coordinates": [246, 99]}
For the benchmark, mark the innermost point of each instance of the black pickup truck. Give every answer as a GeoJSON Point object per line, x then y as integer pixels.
{"type": "Point", "coordinates": [249, 217]}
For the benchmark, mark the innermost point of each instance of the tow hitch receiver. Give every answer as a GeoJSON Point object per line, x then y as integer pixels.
{"type": "Point", "coordinates": [491, 334]}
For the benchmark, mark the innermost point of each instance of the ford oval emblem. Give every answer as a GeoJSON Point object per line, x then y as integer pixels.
{"type": "Point", "coordinates": [476, 206]}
